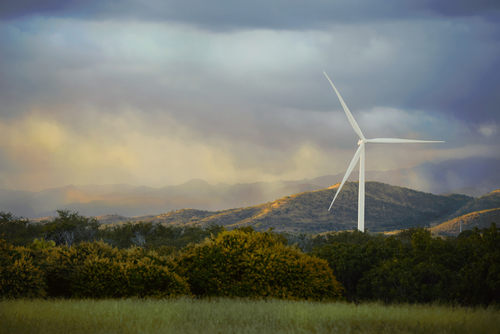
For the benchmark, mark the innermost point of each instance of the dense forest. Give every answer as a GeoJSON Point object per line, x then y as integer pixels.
{"type": "Point", "coordinates": [75, 257]}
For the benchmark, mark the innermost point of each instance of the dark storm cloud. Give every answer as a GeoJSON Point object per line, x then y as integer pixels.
{"type": "Point", "coordinates": [217, 15]}
{"type": "Point", "coordinates": [229, 15]}
{"type": "Point", "coordinates": [441, 67]}
{"type": "Point", "coordinates": [466, 66]}
{"type": "Point", "coordinates": [447, 67]}
{"type": "Point", "coordinates": [486, 8]}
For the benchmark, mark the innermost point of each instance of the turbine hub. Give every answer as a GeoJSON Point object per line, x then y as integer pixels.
{"type": "Point", "coordinates": [361, 141]}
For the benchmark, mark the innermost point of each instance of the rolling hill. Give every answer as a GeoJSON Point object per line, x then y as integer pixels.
{"type": "Point", "coordinates": [387, 208]}
{"type": "Point", "coordinates": [485, 202]}
{"type": "Point", "coordinates": [480, 212]}
{"type": "Point", "coordinates": [480, 219]}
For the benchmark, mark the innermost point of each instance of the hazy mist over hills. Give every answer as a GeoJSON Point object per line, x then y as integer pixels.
{"type": "Point", "coordinates": [472, 177]}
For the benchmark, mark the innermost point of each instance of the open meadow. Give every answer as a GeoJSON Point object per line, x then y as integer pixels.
{"type": "Point", "coordinates": [185, 315]}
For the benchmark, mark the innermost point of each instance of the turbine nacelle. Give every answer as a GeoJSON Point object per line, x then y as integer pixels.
{"type": "Point", "coordinates": [360, 155]}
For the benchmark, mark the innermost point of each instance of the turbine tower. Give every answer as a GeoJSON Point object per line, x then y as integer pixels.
{"type": "Point", "coordinates": [360, 155]}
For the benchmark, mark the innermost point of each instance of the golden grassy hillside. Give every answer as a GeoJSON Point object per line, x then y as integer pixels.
{"type": "Point", "coordinates": [479, 219]}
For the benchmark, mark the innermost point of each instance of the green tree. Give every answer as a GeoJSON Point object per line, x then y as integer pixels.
{"type": "Point", "coordinates": [481, 275]}
{"type": "Point", "coordinates": [349, 261]}
{"type": "Point", "coordinates": [424, 270]}
{"type": "Point", "coordinates": [153, 236]}
{"type": "Point", "coordinates": [18, 231]}
{"type": "Point", "coordinates": [70, 228]}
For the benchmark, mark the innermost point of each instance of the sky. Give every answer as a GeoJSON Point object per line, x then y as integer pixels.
{"type": "Point", "coordinates": [157, 92]}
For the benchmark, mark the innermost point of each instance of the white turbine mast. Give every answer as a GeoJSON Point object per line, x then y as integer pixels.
{"type": "Point", "coordinates": [360, 155]}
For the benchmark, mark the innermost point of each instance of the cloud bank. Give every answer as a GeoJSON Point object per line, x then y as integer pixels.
{"type": "Point", "coordinates": [158, 93]}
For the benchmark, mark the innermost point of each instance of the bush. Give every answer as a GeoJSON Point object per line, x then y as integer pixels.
{"type": "Point", "coordinates": [156, 281]}
{"type": "Point", "coordinates": [97, 270]}
{"type": "Point", "coordinates": [256, 265]}
{"type": "Point", "coordinates": [98, 278]}
{"type": "Point", "coordinates": [19, 276]}
{"type": "Point", "coordinates": [63, 261]}
{"type": "Point", "coordinates": [105, 278]}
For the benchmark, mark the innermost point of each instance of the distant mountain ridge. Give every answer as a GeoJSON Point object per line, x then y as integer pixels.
{"type": "Point", "coordinates": [387, 208]}
{"type": "Point", "coordinates": [467, 176]}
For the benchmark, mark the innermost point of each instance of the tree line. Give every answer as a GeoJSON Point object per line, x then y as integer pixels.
{"type": "Point", "coordinates": [409, 267]}
{"type": "Point", "coordinates": [70, 228]}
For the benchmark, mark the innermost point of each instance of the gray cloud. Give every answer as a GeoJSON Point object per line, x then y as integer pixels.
{"type": "Point", "coordinates": [214, 81]}
{"type": "Point", "coordinates": [228, 15]}
{"type": "Point", "coordinates": [486, 8]}
{"type": "Point", "coordinates": [436, 65]}
{"type": "Point", "coordinates": [213, 15]}
{"type": "Point", "coordinates": [242, 85]}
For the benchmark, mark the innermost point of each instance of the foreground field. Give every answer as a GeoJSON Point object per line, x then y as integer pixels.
{"type": "Point", "coordinates": [237, 316]}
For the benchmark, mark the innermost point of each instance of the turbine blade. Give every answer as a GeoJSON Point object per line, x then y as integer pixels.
{"type": "Point", "coordinates": [400, 141]}
{"type": "Point", "coordinates": [354, 125]}
{"type": "Point", "coordinates": [349, 170]}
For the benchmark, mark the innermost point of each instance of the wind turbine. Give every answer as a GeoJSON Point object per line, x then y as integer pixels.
{"type": "Point", "coordinates": [360, 155]}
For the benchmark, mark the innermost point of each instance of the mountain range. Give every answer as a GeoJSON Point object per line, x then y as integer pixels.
{"type": "Point", "coordinates": [473, 177]}
{"type": "Point", "coordinates": [388, 208]}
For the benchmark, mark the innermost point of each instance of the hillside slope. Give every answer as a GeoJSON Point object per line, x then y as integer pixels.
{"type": "Point", "coordinates": [479, 219]}
{"type": "Point", "coordinates": [485, 202]}
{"type": "Point", "coordinates": [387, 208]}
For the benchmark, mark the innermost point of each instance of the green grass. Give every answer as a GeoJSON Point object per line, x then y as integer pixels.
{"type": "Point", "coordinates": [237, 316]}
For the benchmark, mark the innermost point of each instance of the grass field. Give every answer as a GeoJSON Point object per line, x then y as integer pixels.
{"type": "Point", "coordinates": [237, 316]}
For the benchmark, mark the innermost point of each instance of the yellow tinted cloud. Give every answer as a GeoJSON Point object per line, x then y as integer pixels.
{"type": "Point", "coordinates": [155, 150]}
{"type": "Point", "coordinates": [126, 148]}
